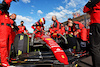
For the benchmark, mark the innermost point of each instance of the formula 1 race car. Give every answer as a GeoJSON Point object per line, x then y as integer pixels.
{"type": "Point", "coordinates": [43, 50]}
{"type": "Point", "coordinates": [44, 54]}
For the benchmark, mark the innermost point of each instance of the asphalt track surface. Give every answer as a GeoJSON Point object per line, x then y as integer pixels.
{"type": "Point", "coordinates": [86, 62]}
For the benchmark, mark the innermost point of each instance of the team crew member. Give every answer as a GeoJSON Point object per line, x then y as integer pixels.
{"type": "Point", "coordinates": [62, 29]}
{"type": "Point", "coordinates": [39, 25]}
{"type": "Point", "coordinates": [5, 31]}
{"type": "Point", "coordinates": [56, 25]}
{"type": "Point", "coordinates": [14, 30]}
{"type": "Point", "coordinates": [14, 26]}
{"type": "Point", "coordinates": [77, 29]}
{"type": "Point", "coordinates": [93, 8]}
{"type": "Point", "coordinates": [66, 29]}
{"type": "Point", "coordinates": [22, 28]}
{"type": "Point", "coordinates": [50, 30]}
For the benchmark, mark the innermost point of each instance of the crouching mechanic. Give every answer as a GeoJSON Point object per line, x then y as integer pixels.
{"type": "Point", "coordinates": [79, 31]}
{"type": "Point", "coordinates": [5, 31]}
{"type": "Point", "coordinates": [39, 26]}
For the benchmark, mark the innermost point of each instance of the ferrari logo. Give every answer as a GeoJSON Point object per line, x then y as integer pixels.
{"type": "Point", "coordinates": [63, 56]}
{"type": "Point", "coordinates": [5, 15]}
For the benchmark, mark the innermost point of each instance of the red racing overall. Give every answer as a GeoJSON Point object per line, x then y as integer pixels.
{"type": "Point", "coordinates": [93, 8]}
{"type": "Point", "coordinates": [5, 32]}
{"type": "Point", "coordinates": [62, 30]}
{"type": "Point", "coordinates": [21, 29]}
{"type": "Point", "coordinates": [78, 27]}
{"type": "Point", "coordinates": [50, 30]}
{"type": "Point", "coordinates": [39, 27]}
{"type": "Point", "coordinates": [57, 26]}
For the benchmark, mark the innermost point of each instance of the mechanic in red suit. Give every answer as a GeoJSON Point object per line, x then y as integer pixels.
{"type": "Point", "coordinates": [22, 28]}
{"type": "Point", "coordinates": [14, 26]}
{"type": "Point", "coordinates": [39, 26]}
{"type": "Point", "coordinates": [56, 25]}
{"type": "Point", "coordinates": [62, 29]}
{"type": "Point", "coordinates": [66, 29]}
{"type": "Point", "coordinates": [77, 29]}
{"type": "Point", "coordinates": [93, 8]}
{"type": "Point", "coordinates": [50, 30]}
{"type": "Point", "coordinates": [14, 29]}
{"type": "Point", "coordinates": [5, 31]}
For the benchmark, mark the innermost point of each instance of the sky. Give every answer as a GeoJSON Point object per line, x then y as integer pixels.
{"type": "Point", "coordinates": [30, 11]}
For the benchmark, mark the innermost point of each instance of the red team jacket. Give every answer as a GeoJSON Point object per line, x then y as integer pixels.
{"type": "Point", "coordinates": [21, 29]}
{"type": "Point", "coordinates": [93, 8]}
{"type": "Point", "coordinates": [79, 27]}
{"type": "Point", "coordinates": [57, 27]}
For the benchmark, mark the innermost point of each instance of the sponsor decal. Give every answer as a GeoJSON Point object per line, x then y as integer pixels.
{"type": "Point", "coordinates": [58, 50]}
{"type": "Point", "coordinates": [14, 61]}
{"type": "Point", "coordinates": [21, 37]}
{"type": "Point", "coordinates": [19, 52]}
{"type": "Point", "coordinates": [90, 33]}
{"type": "Point", "coordinates": [48, 39]}
{"type": "Point", "coordinates": [52, 44]}
{"type": "Point", "coordinates": [32, 60]}
{"type": "Point", "coordinates": [55, 34]}
{"type": "Point", "coordinates": [6, 16]}
{"type": "Point", "coordinates": [25, 60]}
{"type": "Point", "coordinates": [22, 28]}
{"type": "Point", "coordinates": [62, 56]}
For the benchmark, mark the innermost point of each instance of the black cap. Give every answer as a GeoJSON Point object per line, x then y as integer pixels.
{"type": "Point", "coordinates": [69, 19]}
{"type": "Point", "coordinates": [22, 21]}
